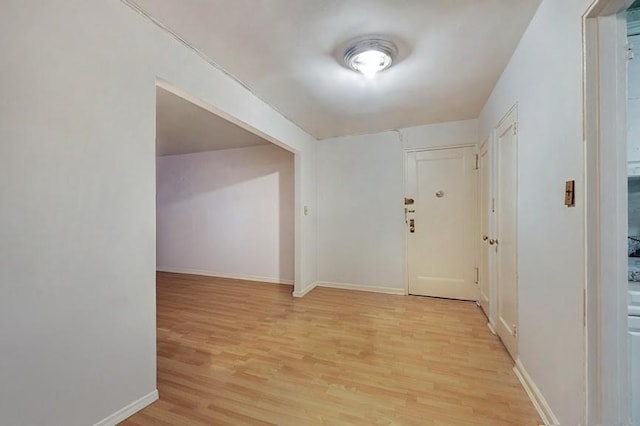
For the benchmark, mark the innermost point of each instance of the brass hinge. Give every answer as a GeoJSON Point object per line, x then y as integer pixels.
{"type": "Point", "coordinates": [493, 205]}
{"type": "Point", "coordinates": [477, 275]}
{"type": "Point", "coordinates": [477, 163]}
{"type": "Point", "coordinates": [515, 330]}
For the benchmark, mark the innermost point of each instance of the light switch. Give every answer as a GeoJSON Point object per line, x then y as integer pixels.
{"type": "Point", "coordinates": [569, 193]}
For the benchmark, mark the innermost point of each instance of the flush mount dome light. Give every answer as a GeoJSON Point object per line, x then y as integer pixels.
{"type": "Point", "coordinates": [370, 56]}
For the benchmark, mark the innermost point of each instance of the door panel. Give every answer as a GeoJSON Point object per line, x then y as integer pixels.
{"type": "Point", "coordinates": [485, 214]}
{"type": "Point", "coordinates": [506, 221]}
{"type": "Point", "coordinates": [442, 252]}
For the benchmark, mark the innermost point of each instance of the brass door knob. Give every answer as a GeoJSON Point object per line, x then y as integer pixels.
{"type": "Point", "coordinates": [492, 242]}
{"type": "Point", "coordinates": [485, 238]}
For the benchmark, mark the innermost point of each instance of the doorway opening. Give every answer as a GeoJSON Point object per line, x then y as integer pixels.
{"type": "Point", "coordinates": [224, 197]}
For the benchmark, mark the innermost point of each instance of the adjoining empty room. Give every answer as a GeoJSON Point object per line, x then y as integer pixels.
{"type": "Point", "coordinates": [225, 197]}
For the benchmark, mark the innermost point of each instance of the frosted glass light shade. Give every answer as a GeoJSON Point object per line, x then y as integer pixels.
{"type": "Point", "coordinates": [370, 56]}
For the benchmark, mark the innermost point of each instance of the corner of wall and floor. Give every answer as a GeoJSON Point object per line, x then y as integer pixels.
{"type": "Point", "coordinates": [129, 410]}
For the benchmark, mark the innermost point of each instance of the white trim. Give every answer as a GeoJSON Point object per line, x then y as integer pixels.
{"type": "Point", "coordinates": [492, 328]}
{"type": "Point", "coordinates": [360, 287]}
{"type": "Point", "coordinates": [305, 291]}
{"type": "Point", "coordinates": [535, 395]}
{"type": "Point", "coordinates": [224, 275]}
{"type": "Point", "coordinates": [129, 410]}
{"type": "Point", "coordinates": [605, 131]}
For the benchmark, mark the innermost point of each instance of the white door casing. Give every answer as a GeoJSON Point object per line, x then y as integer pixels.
{"type": "Point", "coordinates": [505, 239]}
{"type": "Point", "coordinates": [485, 207]}
{"type": "Point", "coordinates": [605, 108]}
{"type": "Point", "coordinates": [442, 250]}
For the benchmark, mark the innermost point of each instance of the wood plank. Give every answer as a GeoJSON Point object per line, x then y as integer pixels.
{"type": "Point", "coordinates": [236, 352]}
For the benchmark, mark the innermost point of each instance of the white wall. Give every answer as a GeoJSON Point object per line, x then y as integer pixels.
{"type": "Point", "coordinates": [544, 77]}
{"type": "Point", "coordinates": [360, 197]}
{"type": "Point", "coordinates": [77, 219]}
{"type": "Point", "coordinates": [227, 213]}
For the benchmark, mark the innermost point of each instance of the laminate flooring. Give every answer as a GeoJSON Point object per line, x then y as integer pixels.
{"type": "Point", "coordinates": [232, 352]}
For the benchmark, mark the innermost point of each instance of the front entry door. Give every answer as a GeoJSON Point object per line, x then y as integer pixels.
{"type": "Point", "coordinates": [441, 206]}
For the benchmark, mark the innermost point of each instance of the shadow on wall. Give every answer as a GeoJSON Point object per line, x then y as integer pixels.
{"type": "Point", "coordinates": [228, 213]}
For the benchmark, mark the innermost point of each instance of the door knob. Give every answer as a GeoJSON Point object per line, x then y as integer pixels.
{"type": "Point", "coordinates": [485, 238]}
{"type": "Point", "coordinates": [492, 242]}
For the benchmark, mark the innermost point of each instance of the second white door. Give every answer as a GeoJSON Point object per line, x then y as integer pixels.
{"type": "Point", "coordinates": [485, 218]}
{"type": "Point", "coordinates": [505, 244]}
{"type": "Point", "coordinates": [442, 223]}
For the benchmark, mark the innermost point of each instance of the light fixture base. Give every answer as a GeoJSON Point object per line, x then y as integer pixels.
{"type": "Point", "coordinates": [370, 56]}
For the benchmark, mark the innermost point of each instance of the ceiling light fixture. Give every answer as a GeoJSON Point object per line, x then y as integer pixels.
{"type": "Point", "coordinates": [370, 56]}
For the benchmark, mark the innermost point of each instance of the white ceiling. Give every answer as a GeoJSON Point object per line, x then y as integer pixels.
{"type": "Point", "coordinates": [185, 128]}
{"type": "Point", "coordinates": [289, 53]}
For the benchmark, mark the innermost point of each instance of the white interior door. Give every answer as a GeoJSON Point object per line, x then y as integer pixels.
{"type": "Point", "coordinates": [485, 215]}
{"type": "Point", "coordinates": [442, 223]}
{"type": "Point", "coordinates": [504, 242]}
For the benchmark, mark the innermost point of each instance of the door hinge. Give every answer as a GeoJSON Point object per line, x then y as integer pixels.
{"type": "Point", "coordinates": [515, 128]}
{"type": "Point", "coordinates": [477, 275]}
{"type": "Point", "coordinates": [477, 166]}
{"type": "Point", "coordinates": [515, 330]}
{"type": "Point", "coordinates": [629, 52]}
{"type": "Point", "coordinates": [493, 205]}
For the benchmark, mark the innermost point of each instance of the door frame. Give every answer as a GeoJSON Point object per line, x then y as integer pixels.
{"type": "Point", "coordinates": [605, 141]}
{"type": "Point", "coordinates": [405, 239]}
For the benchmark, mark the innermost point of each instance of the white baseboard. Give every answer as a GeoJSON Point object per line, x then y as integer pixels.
{"type": "Point", "coordinates": [535, 395]}
{"type": "Point", "coordinates": [129, 410]}
{"type": "Point", "coordinates": [359, 287]}
{"type": "Point", "coordinates": [224, 275]}
{"type": "Point", "coordinates": [492, 329]}
{"type": "Point", "coordinates": [305, 291]}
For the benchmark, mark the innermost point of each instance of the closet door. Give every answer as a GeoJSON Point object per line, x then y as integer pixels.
{"type": "Point", "coordinates": [505, 241]}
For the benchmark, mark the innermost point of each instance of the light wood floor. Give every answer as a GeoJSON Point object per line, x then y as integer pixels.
{"type": "Point", "coordinates": [233, 352]}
